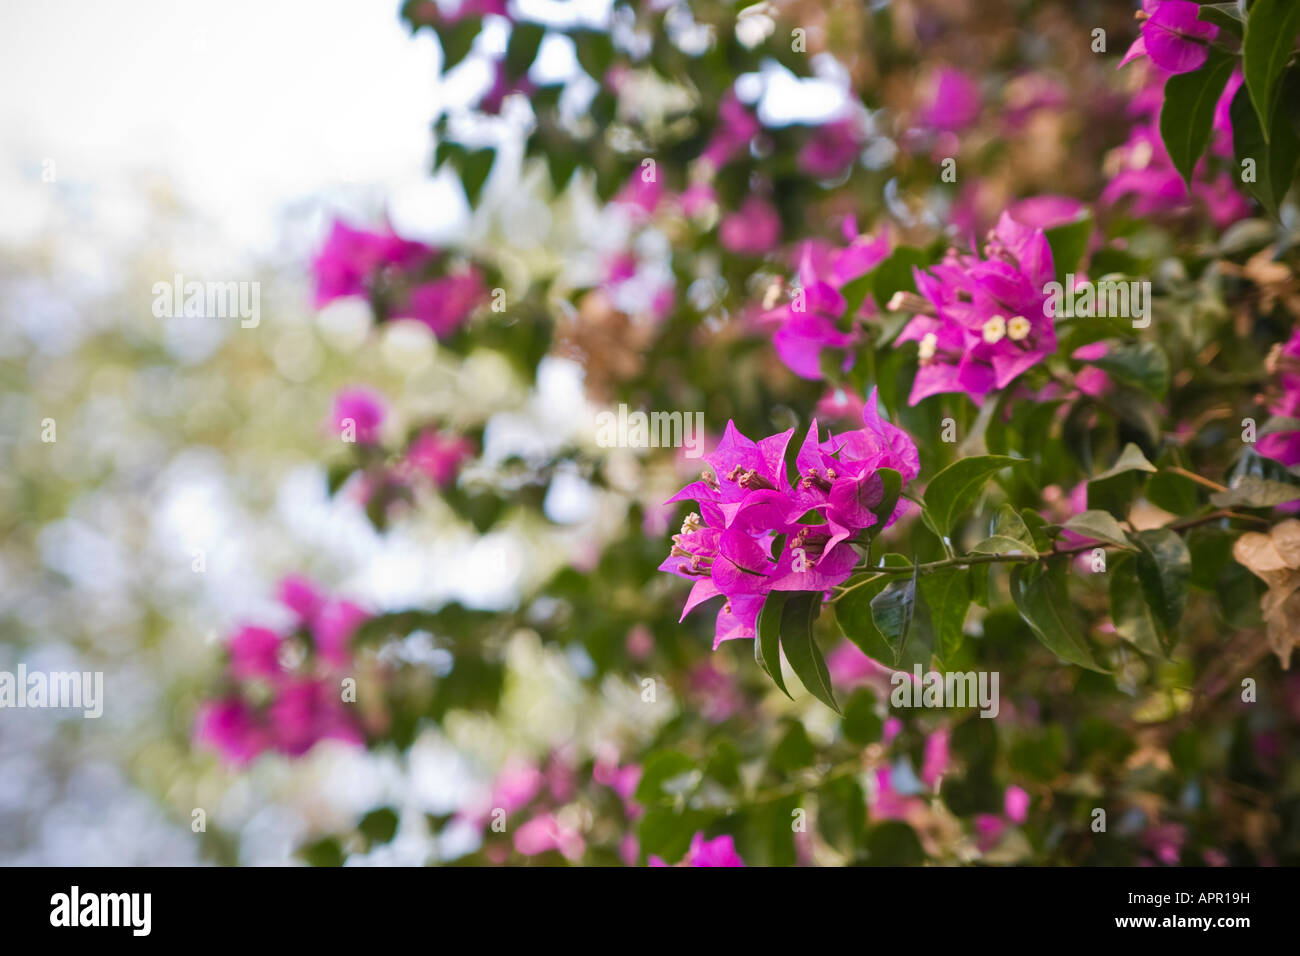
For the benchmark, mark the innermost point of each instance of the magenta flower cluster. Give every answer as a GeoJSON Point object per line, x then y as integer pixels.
{"type": "Point", "coordinates": [986, 321]}
{"type": "Point", "coordinates": [382, 265]}
{"type": "Point", "coordinates": [286, 687]}
{"type": "Point", "coordinates": [747, 501]}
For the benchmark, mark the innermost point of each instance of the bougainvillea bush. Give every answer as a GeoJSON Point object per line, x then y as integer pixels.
{"type": "Point", "coordinates": [944, 367]}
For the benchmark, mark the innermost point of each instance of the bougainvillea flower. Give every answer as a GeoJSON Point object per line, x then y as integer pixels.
{"type": "Point", "coordinates": [752, 230]}
{"type": "Point", "coordinates": [746, 502]}
{"type": "Point", "coordinates": [831, 149]}
{"type": "Point", "coordinates": [640, 195]}
{"type": "Point", "coordinates": [254, 653]}
{"type": "Point", "coordinates": [720, 851]}
{"type": "Point", "coordinates": [808, 324]}
{"type": "Point", "coordinates": [954, 101]}
{"type": "Point", "coordinates": [1173, 36]}
{"type": "Point", "coordinates": [545, 833]}
{"type": "Point", "coordinates": [333, 629]}
{"type": "Point", "coordinates": [350, 259]}
{"type": "Point", "coordinates": [301, 596]}
{"type": "Point", "coordinates": [305, 712]}
{"type": "Point", "coordinates": [358, 413]}
{"type": "Point", "coordinates": [230, 727]}
{"type": "Point", "coordinates": [989, 323]}
{"type": "Point", "coordinates": [439, 455]}
{"type": "Point", "coordinates": [1284, 446]}
{"type": "Point", "coordinates": [736, 127]}
{"type": "Point", "coordinates": [444, 304]}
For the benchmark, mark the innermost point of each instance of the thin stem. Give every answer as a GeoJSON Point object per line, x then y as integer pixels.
{"type": "Point", "coordinates": [967, 560]}
{"type": "Point", "coordinates": [1193, 476]}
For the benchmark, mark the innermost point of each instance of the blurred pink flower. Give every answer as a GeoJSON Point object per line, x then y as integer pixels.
{"type": "Point", "coordinates": [831, 149]}
{"type": "Point", "coordinates": [720, 851]}
{"type": "Point", "coordinates": [752, 230]}
{"type": "Point", "coordinates": [444, 304]}
{"type": "Point", "coordinates": [954, 101]}
{"type": "Point", "coordinates": [350, 258]}
{"type": "Point", "coordinates": [439, 455]}
{"type": "Point", "coordinates": [361, 409]}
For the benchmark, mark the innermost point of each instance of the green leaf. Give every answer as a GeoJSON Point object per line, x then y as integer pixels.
{"type": "Point", "coordinates": [794, 751]}
{"type": "Point", "coordinates": [947, 595]}
{"type": "Point", "coordinates": [797, 617]}
{"type": "Point", "coordinates": [474, 169]}
{"type": "Point", "coordinates": [379, 826]}
{"type": "Point", "coordinates": [1226, 16]}
{"type": "Point", "coordinates": [1187, 115]}
{"type": "Point", "coordinates": [1271, 28]}
{"type": "Point", "coordinates": [1129, 610]}
{"type": "Point", "coordinates": [1042, 602]}
{"type": "Point", "coordinates": [955, 490]}
{"type": "Point", "coordinates": [1130, 459]}
{"type": "Point", "coordinates": [1164, 566]}
{"type": "Point", "coordinates": [324, 852]}
{"type": "Point", "coordinates": [1274, 155]}
{"type": "Point", "coordinates": [1069, 241]}
{"type": "Point", "coordinates": [1143, 365]}
{"type": "Point", "coordinates": [1008, 534]}
{"type": "Point", "coordinates": [891, 485]}
{"type": "Point", "coordinates": [855, 292]}
{"type": "Point", "coordinates": [660, 768]}
{"type": "Point", "coordinates": [892, 610]}
{"type": "Point", "coordinates": [1099, 526]}
{"type": "Point", "coordinates": [894, 274]}
{"type": "Point", "coordinates": [853, 615]}
{"type": "Point", "coordinates": [595, 51]}
{"type": "Point", "coordinates": [861, 724]}
{"type": "Point", "coordinates": [894, 843]}
{"type": "Point", "coordinates": [1114, 488]}
{"type": "Point", "coordinates": [457, 40]}
{"type": "Point", "coordinates": [1255, 492]}
{"type": "Point", "coordinates": [560, 164]}
{"type": "Point", "coordinates": [525, 38]}
{"type": "Point", "coordinates": [767, 646]}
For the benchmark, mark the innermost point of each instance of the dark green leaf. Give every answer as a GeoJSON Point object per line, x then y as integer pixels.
{"type": "Point", "coordinates": [955, 490]}
{"type": "Point", "coordinates": [767, 646]}
{"type": "Point", "coordinates": [797, 617]}
{"type": "Point", "coordinates": [1069, 241]}
{"type": "Point", "coordinates": [1187, 116]}
{"type": "Point", "coordinates": [892, 610]}
{"type": "Point", "coordinates": [1271, 28]}
{"type": "Point", "coordinates": [525, 38]}
{"type": "Point", "coordinates": [1163, 567]}
{"type": "Point", "coordinates": [1274, 156]}
{"type": "Point", "coordinates": [947, 595]}
{"type": "Point", "coordinates": [1045, 607]}
{"type": "Point", "coordinates": [1128, 607]}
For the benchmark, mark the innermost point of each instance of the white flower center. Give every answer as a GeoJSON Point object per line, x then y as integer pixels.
{"type": "Point", "coordinates": [1018, 328]}
{"type": "Point", "coordinates": [929, 342]}
{"type": "Point", "coordinates": [995, 329]}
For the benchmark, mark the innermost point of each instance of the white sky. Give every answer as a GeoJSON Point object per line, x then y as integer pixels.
{"type": "Point", "coordinates": [244, 104]}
